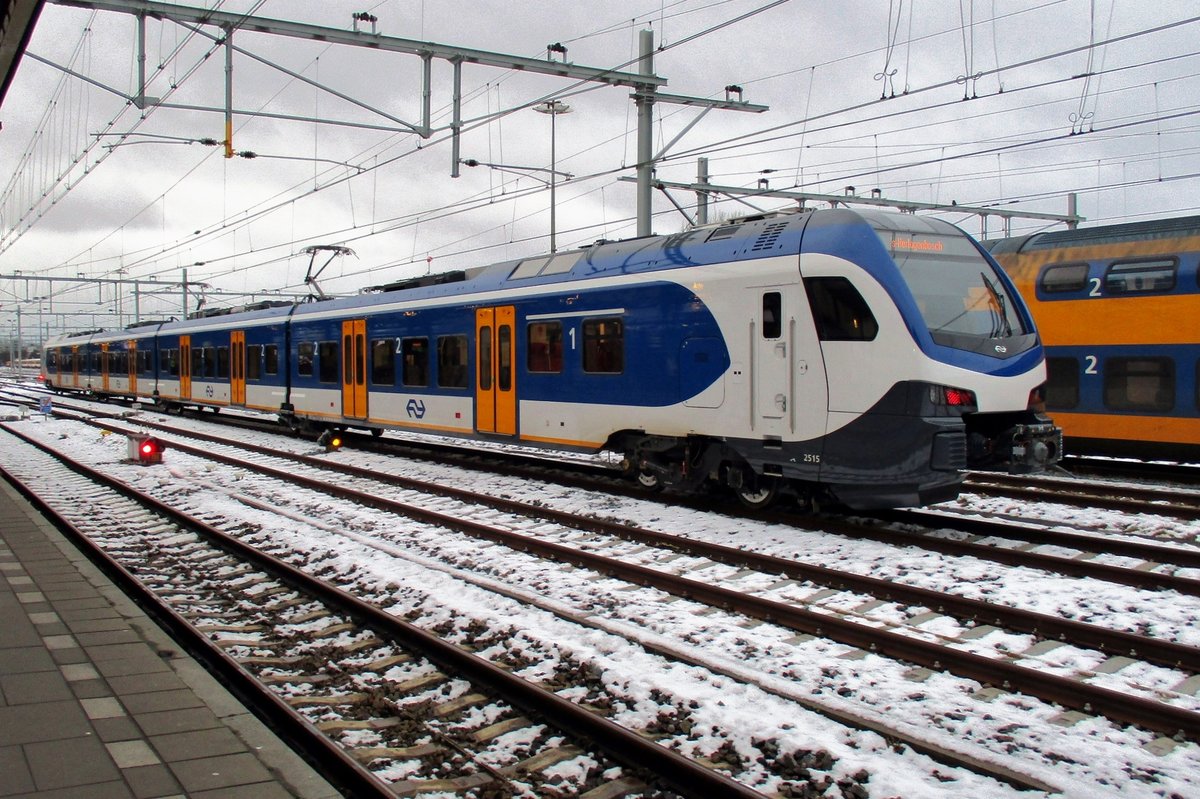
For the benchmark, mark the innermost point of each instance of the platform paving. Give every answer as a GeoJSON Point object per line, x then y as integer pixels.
{"type": "Point", "coordinates": [96, 701]}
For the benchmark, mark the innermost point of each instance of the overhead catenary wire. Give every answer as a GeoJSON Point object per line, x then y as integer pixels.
{"type": "Point", "coordinates": [235, 220]}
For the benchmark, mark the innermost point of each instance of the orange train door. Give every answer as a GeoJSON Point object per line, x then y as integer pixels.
{"type": "Point", "coordinates": [496, 380]}
{"type": "Point", "coordinates": [75, 365]}
{"type": "Point", "coordinates": [104, 366]}
{"type": "Point", "coordinates": [354, 369]}
{"type": "Point", "coordinates": [185, 367]}
{"type": "Point", "coordinates": [237, 367]}
{"type": "Point", "coordinates": [133, 368]}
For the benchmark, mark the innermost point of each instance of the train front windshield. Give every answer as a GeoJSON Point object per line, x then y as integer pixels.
{"type": "Point", "coordinates": [964, 302]}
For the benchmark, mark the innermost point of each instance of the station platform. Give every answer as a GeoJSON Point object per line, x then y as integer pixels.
{"type": "Point", "coordinates": [97, 701]}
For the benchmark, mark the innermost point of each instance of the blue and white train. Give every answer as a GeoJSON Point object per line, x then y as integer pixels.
{"type": "Point", "coordinates": [857, 358]}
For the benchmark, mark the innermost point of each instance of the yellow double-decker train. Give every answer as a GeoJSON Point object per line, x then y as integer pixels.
{"type": "Point", "coordinates": [1118, 309]}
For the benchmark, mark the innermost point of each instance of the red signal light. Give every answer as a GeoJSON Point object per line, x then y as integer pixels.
{"type": "Point", "coordinates": [145, 449]}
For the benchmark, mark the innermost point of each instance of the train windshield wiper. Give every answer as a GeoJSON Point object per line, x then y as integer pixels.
{"type": "Point", "coordinates": [1004, 327]}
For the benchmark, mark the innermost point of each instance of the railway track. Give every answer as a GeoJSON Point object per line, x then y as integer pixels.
{"type": "Point", "coordinates": [408, 712]}
{"type": "Point", "coordinates": [1109, 641]}
{"type": "Point", "coordinates": [934, 657]}
{"type": "Point", "coordinates": [1178, 503]}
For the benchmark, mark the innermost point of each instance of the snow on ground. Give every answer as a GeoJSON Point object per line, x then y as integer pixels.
{"type": "Point", "coordinates": [433, 575]}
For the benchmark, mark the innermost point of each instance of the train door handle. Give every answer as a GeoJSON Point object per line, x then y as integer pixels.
{"type": "Point", "coordinates": [781, 401]}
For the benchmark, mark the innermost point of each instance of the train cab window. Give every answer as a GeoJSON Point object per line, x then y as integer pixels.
{"type": "Point", "coordinates": [772, 314]}
{"type": "Point", "coordinates": [603, 346]}
{"type": "Point", "coordinates": [1061, 278]}
{"type": "Point", "coordinates": [839, 311]}
{"type": "Point", "coordinates": [327, 361]}
{"type": "Point", "coordinates": [1139, 384]}
{"type": "Point", "coordinates": [254, 361]}
{"type": "Point", "coordinates": [271, 359]}
{"type": "Point", "coordinates": [452, 361]}
{"type": "Point", "coordinates": [544, 347]}
{"type": "Point", "coordinates": [223, 362]}
{"type": "Point", "coordinates": [415, 354]}
{"type": "Point", "coordinates": [383, 362]}
{"type": "Point", "coordinates": [1136, 277]}
{"type": "Point", "coordinates": [51, 361]}
{"type": "Point", "coordinates": [1062, 383]}
{"type": "Point", "coordinates": [305, 355]}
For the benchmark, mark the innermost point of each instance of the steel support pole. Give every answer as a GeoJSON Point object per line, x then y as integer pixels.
{"type": "Point", "coordinates": [456, 121]}
{"type": "Point", "coordinates": [140, 101]}
{"type": "Point", "coordinates": [228, 93]}
{"type": "Point", "coordinates": [426, 94]}
{"type": "Point", "coordinates": [645, 151]}
{"type": "Point", "coordinates": [701, 196]}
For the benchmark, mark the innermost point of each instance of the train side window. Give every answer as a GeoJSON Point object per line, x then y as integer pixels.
{"type": "Point", "coordinates": [1062, 278]}
{"type": "Point", "coordinates": [305, 354]}
{"type": "Point", "coordinates": [197, 362]}
{"type": "Point", "coordinates": [1137, 277]}
{"type": "Point", "coordinates": [839, 311]}
{"type": "Point", "coordinates": [504, 357]}
{"type": "Point", "coordinates": [1062, 383]}
{"type": "Point", "coordinates": [452, 361]}
{"type": "Point", "coordinates": [603, 346]}
{"type": "Point", "coordinates": [210, 361]}
{"type": "Point", "coordinates": [271, 359]}
{"type": "Point", "coordinates": [254, 361]}
{"type": "Point", "coordinates": [485, 359]}
{"type": "Point", "coordinates": [545, 347]}
{"type": "Point", "coordinates": [772, 314]}
{"type": "Point", "coordinates": [223, 362]}
{"type": "Point", "coordinates": [1139, 384]}
{"type": "Point", "coordinates": [172, 362]}
{"type": "Point", "coordinates": [327, 361]}
{"type": "Point", "coordinates": [415, 352]}
{"type": "Point", "coordinates": [145, 362]}
{"type": "Point", "coordinates": [383, 362]}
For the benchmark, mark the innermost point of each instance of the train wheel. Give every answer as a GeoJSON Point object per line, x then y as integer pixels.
{"type": "Point", "coordinates": [762, 493]}
{"type": "Point", "coordinates": [649, 481]}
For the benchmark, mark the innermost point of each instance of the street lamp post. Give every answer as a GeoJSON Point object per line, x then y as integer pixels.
{"type": "Point", "coordinates": [553, 108]}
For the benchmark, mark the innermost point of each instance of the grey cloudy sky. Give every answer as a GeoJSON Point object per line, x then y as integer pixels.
{"type": "Point", "coordinates": [1114, 123]}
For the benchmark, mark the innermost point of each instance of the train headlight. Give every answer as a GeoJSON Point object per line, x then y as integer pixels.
{"type": "Point", "coordinates": [1037, 399]}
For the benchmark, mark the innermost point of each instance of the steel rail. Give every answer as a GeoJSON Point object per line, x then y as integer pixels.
{"type": "Point", "coordinates": [1181, 556]}
{"type": "Point", "coordinates": [334, 763]}
{"type": "Point", "coordinates": [621, 744]}
{"type": "Point", "coordinates": [521, 465]}
{"type": "Point", "coordinates": [1146, 713]}
{"type": "Point", "coordinates": [1114, 642]}
{"type": "Point", "coordinates": [1130, 499]}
